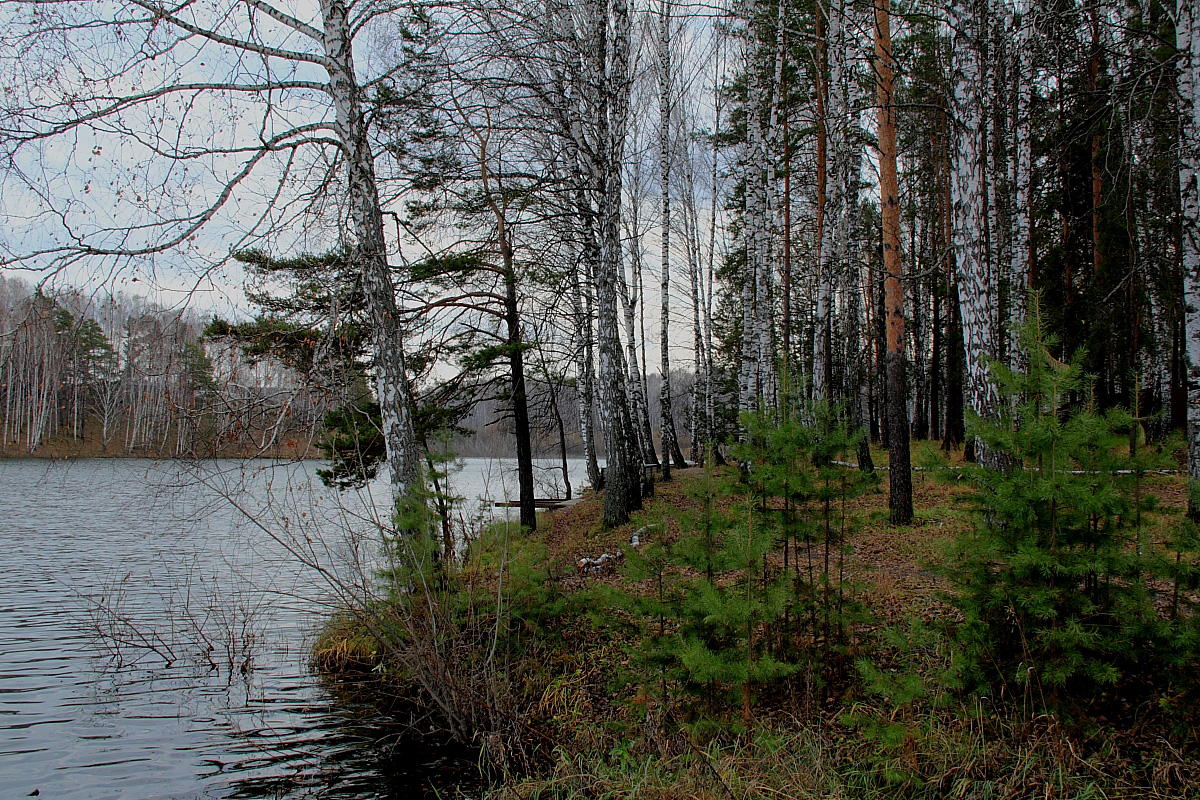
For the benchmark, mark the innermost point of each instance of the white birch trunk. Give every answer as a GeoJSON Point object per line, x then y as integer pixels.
{"type": "Point", "coordinates": [968, 187]}
{"type": "Point", "coordinates": [609, 66]}
{"type": "Point", "coordinates": [369, 248]}
{"type": "Point", "coordinates": [772, 224]}
{"type": "Point", "coordinates": [670, 442]}
{"type": "Point", "coordinates": [1187, 35]}
{"type": "Point", "coordinates": [701, 428]}
{"type": "Point", "coordinates": [1022, 176]}
{"type": "Point", "coordinates": [631, 301]}
{"type": "Point", "coordinates": [586, 371]}
{"type": "Point", "coordinates": [829, 248]}
{"type": "Point", "coordinates": [755, 373]}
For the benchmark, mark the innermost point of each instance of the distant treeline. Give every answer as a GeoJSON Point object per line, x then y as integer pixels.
{"type": "Point", "coordinates": [113, 374]}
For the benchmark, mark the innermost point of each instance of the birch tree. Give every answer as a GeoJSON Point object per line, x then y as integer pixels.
{"type": "Point", "coordinates": [1021, 258]}
{"type": "Point", "coordinates": [834, 196]}
{"type": "Point", "coordinates": [1187, 42]}
{"type": "Point", "coordinates": [632, 293]}
{"type": "Point", "coordinates": [974, 269]}
{"type": "Point", "coordinates": [756, 379]}
{"type": "Point", "coordinates": [241, 105]}
{"type": "Point", "coordinates": [701, 165]}
{"type": "Point", "coordinates": [622, 488]}
{"type": "Point", "coordinates": [670, 442]}
{"type": "Point", "coordinates": [580, 85]}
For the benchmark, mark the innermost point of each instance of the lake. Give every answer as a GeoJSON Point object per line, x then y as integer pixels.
{"type": "Point", "coordinates": [155, 622]}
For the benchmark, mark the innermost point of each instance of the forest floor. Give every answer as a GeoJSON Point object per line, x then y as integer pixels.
{"type": "Point", "coordinates": [895, 564]}
{"type": "Point", "coordinates": [615, 737]}
{"type": "Point", "coordinates": [849, 744]}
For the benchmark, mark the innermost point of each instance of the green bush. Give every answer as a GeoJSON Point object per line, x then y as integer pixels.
{"type": "Point", "coordinates": [717, 614]}
{"type": "Point", "coordinates": [1057, 581]}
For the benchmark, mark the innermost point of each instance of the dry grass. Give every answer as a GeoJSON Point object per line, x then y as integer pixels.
{"type": "Point", "coordinates": [613, 748]}
{"type": "Point", "coordinates": [343, 647]}
{"type": "Point", "coordinates": [957, 758]}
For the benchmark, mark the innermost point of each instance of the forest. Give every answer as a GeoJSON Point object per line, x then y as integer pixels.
{"type": "Point", "coordinates": [804, 244]}
{"type": "Point", "coordinates": [115, 375]}
{"type": "Point", "coordinates": [800, 202]}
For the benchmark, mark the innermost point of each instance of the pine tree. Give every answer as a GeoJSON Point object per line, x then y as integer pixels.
{"type": "Point", "coordinates": [715, 615]}
{"type": "Point", "coordinates": [1055, 580]}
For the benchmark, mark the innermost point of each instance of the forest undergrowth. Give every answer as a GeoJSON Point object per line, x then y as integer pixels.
{"type": "Point", "coordinates": [767, 632]}
{"type": "Point", "coordinates": [596, 723]}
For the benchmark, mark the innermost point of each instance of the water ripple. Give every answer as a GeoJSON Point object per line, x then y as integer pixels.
{"type": "Point", "coordinates": [133, 593]}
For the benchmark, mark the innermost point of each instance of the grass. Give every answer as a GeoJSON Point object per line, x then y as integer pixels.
{"type": "Point", "coordinates": [597, 732]}
{"type": "Point", "coordinates": [858, 743]}
{"type": "Point", "coordinates": [343, 646]}
{"type": "Point", "coordinates": [950, 757]}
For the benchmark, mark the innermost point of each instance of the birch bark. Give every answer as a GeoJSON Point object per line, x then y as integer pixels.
{"type": "Point", "coordinates": [589, 103]}
{"type": "Point", "coordinates": [585, 371]}
{"type": "Point", "coordinates": [1187, 36]}
{"type": "Point", "coordinates": [631, 303]}
{"type": "Point", "coordinates": [831, 229]}
{"type": "Point", "coordinates": [369, 249]}
{"type": "Point", "coordinates": [1022, 175]}
{"type": "Point", "coordinates": [670, 442]}
{"type": "Point", "coordinates": [610, 66]}
{"type": "Point", "coordinates": [755, 377]}
{"type": "Point", "coordinates": [975, 275]}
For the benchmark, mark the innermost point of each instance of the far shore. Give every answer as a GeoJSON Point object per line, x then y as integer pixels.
{"type": "Point", "coordinates": [288, 449]}
{"type": "Point", "coordinates": [65, 449]}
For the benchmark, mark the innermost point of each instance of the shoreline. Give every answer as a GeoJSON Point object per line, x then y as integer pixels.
{"type": "Point", "coordinates": [580, 690]}
{"type": "Point", "coordinates": [290, 449]}
{"type": "Point", "coordinates": [69, 450]}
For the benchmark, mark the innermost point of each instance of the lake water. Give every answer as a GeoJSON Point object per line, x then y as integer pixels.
{"type": "Point", "coordinates": [155, 621]}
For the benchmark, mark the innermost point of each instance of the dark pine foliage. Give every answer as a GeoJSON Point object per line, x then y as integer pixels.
{"type": "Point", "coordinates": [1062, 588]}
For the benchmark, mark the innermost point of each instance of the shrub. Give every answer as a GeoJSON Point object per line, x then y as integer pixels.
{"type": "Point", "coordinates": [715, 614]}
{"type": "Point", "coordinates": [1056, 581]}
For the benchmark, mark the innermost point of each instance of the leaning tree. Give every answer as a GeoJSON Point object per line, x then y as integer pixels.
{"type": "Point", "coordinates": [135, 132]}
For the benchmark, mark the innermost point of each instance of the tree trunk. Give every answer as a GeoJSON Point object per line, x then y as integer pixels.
{"type": "Point", "coordinates": [976, 278]}
{"type": "Point", "coordinates": [1187, 34]}
{"type": "Point", "coordinates": [670, 442]}
{"type": "Point", "coordinates": [585, 383]}
{"type": "Point", "coordinates": [369, 251]}
{"type": "Point", "coordinates": [754, 375]}
{"type": "Point", "coordinates": [899, 469]}
{"type": "Point", "coordinates": [520, 398]}
{"type": "Point", "coordinates": [1022, 180]}
{"type": "Point", "coordinates": [631, 302]}
{"type": "Point", "coordinates": [831, 129]}
{"type": "Point", "coordinates": [514, 343]}
{"type": "Point", "coordinates": [622, 487]}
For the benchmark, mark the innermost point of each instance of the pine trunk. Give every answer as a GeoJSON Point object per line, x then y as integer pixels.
{"type": "Point", "coordinates": [899, 468]}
